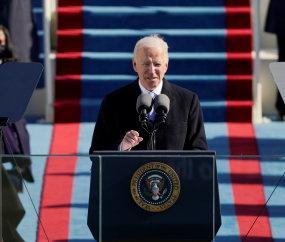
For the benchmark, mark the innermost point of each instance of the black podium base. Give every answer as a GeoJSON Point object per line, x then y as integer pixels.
{"type": "Point", "coordinates": [190, 219]}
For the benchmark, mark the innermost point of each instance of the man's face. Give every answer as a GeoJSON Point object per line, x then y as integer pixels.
{"type": "Point", "coordinates": [151, 65]}
{"type": "Point", "coordinates": [2, 37]}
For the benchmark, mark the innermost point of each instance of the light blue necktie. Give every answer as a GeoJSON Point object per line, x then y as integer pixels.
{"type": "Point", "coordinates": [152, 113]}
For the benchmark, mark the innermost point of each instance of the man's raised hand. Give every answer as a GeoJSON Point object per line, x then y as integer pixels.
{"type": "Point", "coordinates": [130, 140]}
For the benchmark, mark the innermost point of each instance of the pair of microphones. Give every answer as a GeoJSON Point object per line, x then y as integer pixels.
{"type": "Point", "coordinates": [160, 104]}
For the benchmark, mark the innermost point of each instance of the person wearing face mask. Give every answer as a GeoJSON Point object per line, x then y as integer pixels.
{"type": "Point", "coordinates": [16, 133]}
{"type": "Point", "coordinates": [6, 46]}
{"type": "Point", "coordinates": [18, 138]}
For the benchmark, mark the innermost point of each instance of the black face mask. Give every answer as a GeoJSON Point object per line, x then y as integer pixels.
{"type": "Point", "coordinates": [2, 49]}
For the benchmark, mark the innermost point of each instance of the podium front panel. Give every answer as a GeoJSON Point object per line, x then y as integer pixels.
{"type": "Point", "coordinates": [119, 212]}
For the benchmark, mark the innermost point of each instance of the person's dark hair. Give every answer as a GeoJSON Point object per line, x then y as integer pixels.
{"type": "Point", "coordinates": [8, 54]}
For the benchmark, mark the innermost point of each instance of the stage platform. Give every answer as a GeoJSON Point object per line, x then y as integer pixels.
{"type": "Point", "coordinates": [244, 184]}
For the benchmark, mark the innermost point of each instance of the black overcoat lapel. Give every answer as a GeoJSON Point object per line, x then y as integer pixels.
{"type": "Point", "coordinates": [168, 91]}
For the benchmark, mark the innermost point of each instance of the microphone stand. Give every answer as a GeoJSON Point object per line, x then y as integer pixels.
{"type": "Point", "coordinates": [160, 105]}
{"type": "Point", "coordinates": [144, 120]}
{"type": "Point", "coordinates": [154, 141]}
{"type": "Point", "coordinates": [159, 120]}
{"type": "Point", "coordinates": [152, 129]}
{"type": "Point", "coordinates": [153, 136]}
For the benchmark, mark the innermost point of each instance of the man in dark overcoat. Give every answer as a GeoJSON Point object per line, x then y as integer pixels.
{"type": "Point", "coordinates": [118, 126]}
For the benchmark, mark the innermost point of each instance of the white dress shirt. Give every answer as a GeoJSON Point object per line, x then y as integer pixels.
{"type": "Point", "coordinates": [153, 93]}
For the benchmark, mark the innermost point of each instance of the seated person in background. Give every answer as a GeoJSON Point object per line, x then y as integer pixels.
{"type": "Point", "coordinates": [18, 139]}
{"type": "Point", "coordinates": [16, 133]}
{"type": "Point", "coordinates": [6, 47]}
{"type": "Point", "coordinates": [118, 126]}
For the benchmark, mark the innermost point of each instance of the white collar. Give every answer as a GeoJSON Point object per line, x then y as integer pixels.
{"type": "Point", "coordinates": [157, 90]}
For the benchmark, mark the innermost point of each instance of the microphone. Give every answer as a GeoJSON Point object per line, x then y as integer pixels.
{"type": "Point", "coordinates": [161, 107]}
{"type": "Point", "coordinates": [144, 105]}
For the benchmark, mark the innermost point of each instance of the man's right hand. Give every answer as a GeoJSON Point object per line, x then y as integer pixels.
{"type": "Point", "coordinates": [130, 140]}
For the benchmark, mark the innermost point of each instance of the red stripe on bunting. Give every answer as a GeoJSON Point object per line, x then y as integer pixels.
{"type": "Point", "coordinates": [239, 40]}
{"type": "Point", "coordinates": [239, 111]}
{"type": "Point", "coordinates": [239, 87]}
{"type": "Point", "coordinates": [69, 63]}
{"type": "Point", "coordinates": [238, 17]}
{"type": "Point", "coordinates": [70, 40]}
{"type": "Point", "coordinates": [67, 110]}
{"type": "Point", "coordinates": [247, 184]}
{"type": "Point", "coordinates": [67, 106]}
{"type": "Point", "coordinates": [62, 3]}
{"type": "Point", "coordinates": [70, 17]}
{"type": "Point", "coordinates": [58, 184]}
{"type": "Point", "coordinates": [239, 64]}
{"type": "Point", "coordinates": [235, 3]}
{"type": "Point", "coordinates": [68, 87]}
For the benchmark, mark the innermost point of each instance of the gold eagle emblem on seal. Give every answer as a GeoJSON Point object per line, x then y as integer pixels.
{"type": "Point", "coordinates": [155, 187]}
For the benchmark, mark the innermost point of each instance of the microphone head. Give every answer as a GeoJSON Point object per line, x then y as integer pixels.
{"type": "Point", "coordinates": [161, 103]}
{"type": "Point", "coordinates": [144, 101]}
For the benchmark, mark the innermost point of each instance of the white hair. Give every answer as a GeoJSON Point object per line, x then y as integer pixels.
{"type": "Point", "coordinates": [154, 40]}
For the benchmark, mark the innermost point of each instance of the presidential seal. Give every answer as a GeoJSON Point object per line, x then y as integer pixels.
{"type": "Point", "coordinates": [155, 187]}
